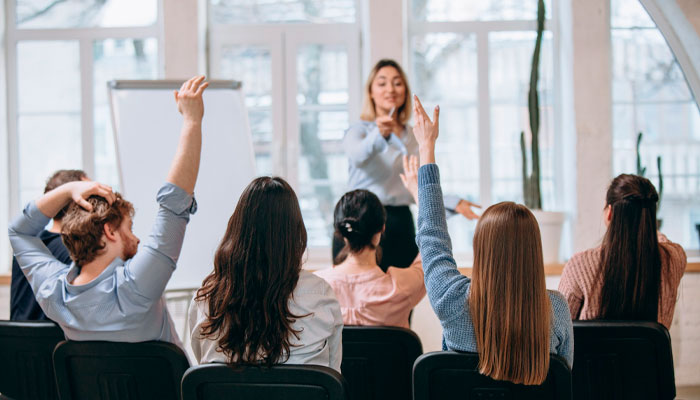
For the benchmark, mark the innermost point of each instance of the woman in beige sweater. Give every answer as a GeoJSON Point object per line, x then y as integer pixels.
{"type": "Point", "coordinates": [635, 273]}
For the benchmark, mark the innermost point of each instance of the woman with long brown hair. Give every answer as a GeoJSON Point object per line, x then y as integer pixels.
{"type": "Point", "coordinates": [505, 312]}
{"type": "Point", "coordinates": [375, 146]}
{"type": "Point", "coordinates": [258, 306]}
{"type": "Point", "coordinates": [635, 273]}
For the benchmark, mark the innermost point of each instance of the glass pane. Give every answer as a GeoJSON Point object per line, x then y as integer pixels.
{"type": "Point", "coordinates": [48, 120]}
{"type": "Point", "coordinates": [116, 59]}
{"type": "Point", "coordinates": [629, 14]}
{"type": "Point", "coordinates": [47, 142]}
{"type": "Point", "coordinates": [510, 56]}
{"type": "Point", "coordinates": [644, 69]}
{"type": "Point", "coordinates": [484, 10]}
{"type": "Point", "coordinates": [281, 11]}
{"type": "Point", "coordinates": [263, 164]}
{"type": "Point", "coordinates": [322, 81]}
{"type": "Point", "coordinates": [444, 72]}
{"type": "Point", "coordinates": [252, 65]}
{"type": "Point", "coordinates": [322, 75]}
{"type": "Point", "coordinates": [48, 90]}
{"type": "Point", "coordinates": [42, 14]}
{"type": "Point", "coordinates": [650, 95]}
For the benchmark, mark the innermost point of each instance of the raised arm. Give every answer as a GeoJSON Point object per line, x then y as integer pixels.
{"type": "Point", "coordinates": [185, 167]}
{"type": "Point", "coordinates": [155, 262]}
{"type": "Point", "coordinates": [35, 260]}
{"type": "Point", "coordinates": [446, 286]}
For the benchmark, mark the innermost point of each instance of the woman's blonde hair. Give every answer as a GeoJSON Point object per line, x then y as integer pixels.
{"type": "Point", "coordinates": [369, 112]}
{"type": "Point", "coordinates": [508, 301]}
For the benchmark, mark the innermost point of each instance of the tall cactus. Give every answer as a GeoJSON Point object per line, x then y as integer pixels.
{"type": "Point", "coordinates": [531, 183]}
{"type": "Point", "coordinates": [641, 170]}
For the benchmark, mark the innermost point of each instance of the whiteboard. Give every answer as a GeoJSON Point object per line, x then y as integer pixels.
{"type": "Point", "coordinates": [146, 132]}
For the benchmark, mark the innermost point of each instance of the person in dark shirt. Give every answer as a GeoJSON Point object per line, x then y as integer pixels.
{"type": "Point", "coordinates": [23, 305]}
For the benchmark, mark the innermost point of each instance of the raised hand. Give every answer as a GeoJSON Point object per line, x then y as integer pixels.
{"type": "Point", "coordinates": [81, 190]}
{"type": "Point", "coordinates": [52, 202]}
{"type": "Point", "coordinates": [425, 131]}
{"type": "Point", "coordinates": [409, 177]}
{"type": "Point", "coordinates": [189, 98]}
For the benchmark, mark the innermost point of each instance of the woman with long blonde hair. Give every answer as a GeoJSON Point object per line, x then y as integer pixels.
{"type": "Point", "coordinates": [505, 312]}
{"type": "Point", "coordinates": [375, 147]}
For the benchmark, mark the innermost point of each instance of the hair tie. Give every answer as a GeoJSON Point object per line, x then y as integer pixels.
{"type": "Point", "coordinates": [348, 227]}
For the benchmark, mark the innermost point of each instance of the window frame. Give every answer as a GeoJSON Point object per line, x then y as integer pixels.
{"type": "Point", "coordinates": [85, 37]}
{"type": "Point", "coordinates": [481, 31]}
{"type": "Point", "coordinates": [283, 40]}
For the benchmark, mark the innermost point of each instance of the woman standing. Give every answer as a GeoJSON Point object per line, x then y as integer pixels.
{"type": "Point", "coordinates": [375, 147]}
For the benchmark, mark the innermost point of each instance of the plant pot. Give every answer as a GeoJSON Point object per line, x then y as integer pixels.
{"type": "Point", "coordinates": [551, 224]}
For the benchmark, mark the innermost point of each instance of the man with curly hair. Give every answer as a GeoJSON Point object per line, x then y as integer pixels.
{"type": "Point", "coordinates": [110, 291]}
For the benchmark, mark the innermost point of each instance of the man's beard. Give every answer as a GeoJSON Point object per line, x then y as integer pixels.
{"type": "Point", "coordinates": [130, 247]}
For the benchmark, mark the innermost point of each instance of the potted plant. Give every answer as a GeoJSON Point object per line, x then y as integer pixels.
{"type": "Point", "coordinates": [550, 222]}
{"type": "Point", "coordinates": [641, 171]}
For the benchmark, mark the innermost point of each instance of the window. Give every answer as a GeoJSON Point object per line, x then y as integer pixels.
{"type": "Point", "coordinates": [58, 115]}
{"type": "Point", "coordinates": [299, 62]}
{"type": "Point", "coordinates": [474, 59]}
{"type": "Point", "coordinates": [650, 95]}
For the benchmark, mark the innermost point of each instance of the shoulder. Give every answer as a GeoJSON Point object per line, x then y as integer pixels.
{"type": "Point", "coordinates": [311, 283]}
{"type": "Point", "coordinates": [326, 274]}
{"type": "Point", "coordinates": [560, 312]}
{"type": "Point", "coordinates": [673, 258]}
{"type": "Point", "coordinates": [558, 301]}
{"type": "Point", "coordinates": [586, 259]}
{"type": "Point", "coordinates": [198, 308]}
{"type": "Point", "coordinates": [314, 295]}
{"type": "Point", "coordinates": [675, 250]}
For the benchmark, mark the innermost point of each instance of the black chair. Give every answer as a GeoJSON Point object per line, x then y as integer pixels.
{"type": "Point", "coordinates": [289, 382]}
{"type": "Point", "coordinates": [110, 370]}
{"type": "Point", "coordinates": [25, 354]}
{"type": "Point", "coordinates": [622, 360]}
{"type": "Point", "coordinates": [378, 361]}
{"type": "Point", "coordinates": [450, 375]}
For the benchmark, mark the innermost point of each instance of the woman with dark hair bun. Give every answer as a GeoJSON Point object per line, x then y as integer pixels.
{"type": "Point", "coordinates": [635, 273]}
{"type": "Point", "coordinates": [367, 295]}
{"type": "Point", "coordinates": [258, 306]}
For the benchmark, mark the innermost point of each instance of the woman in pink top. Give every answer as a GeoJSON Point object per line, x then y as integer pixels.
{"type": "Point", "coordinates": [367, 295]}
{"type": "Point", "coordinates": [635, 273]}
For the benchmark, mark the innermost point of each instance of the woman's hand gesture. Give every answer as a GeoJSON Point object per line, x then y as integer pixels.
{"type": "Point", "coordinates": [426, 131]}
{"type": "Point", "coordinates": [386, 125]}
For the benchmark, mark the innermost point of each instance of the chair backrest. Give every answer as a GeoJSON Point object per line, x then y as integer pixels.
{"type": "Point", "coordinates": [450, 375]}
{"type": "Point", "coordinates": [622, 360]}
{"type": "Point", "coordinates": [111, 370]}
{"type": "Point", "coordinates": [289, 382]}
{"type": "Point", "coordinates": [25, 354]}
{"type": "Point", "coordinates": [378, 361]}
